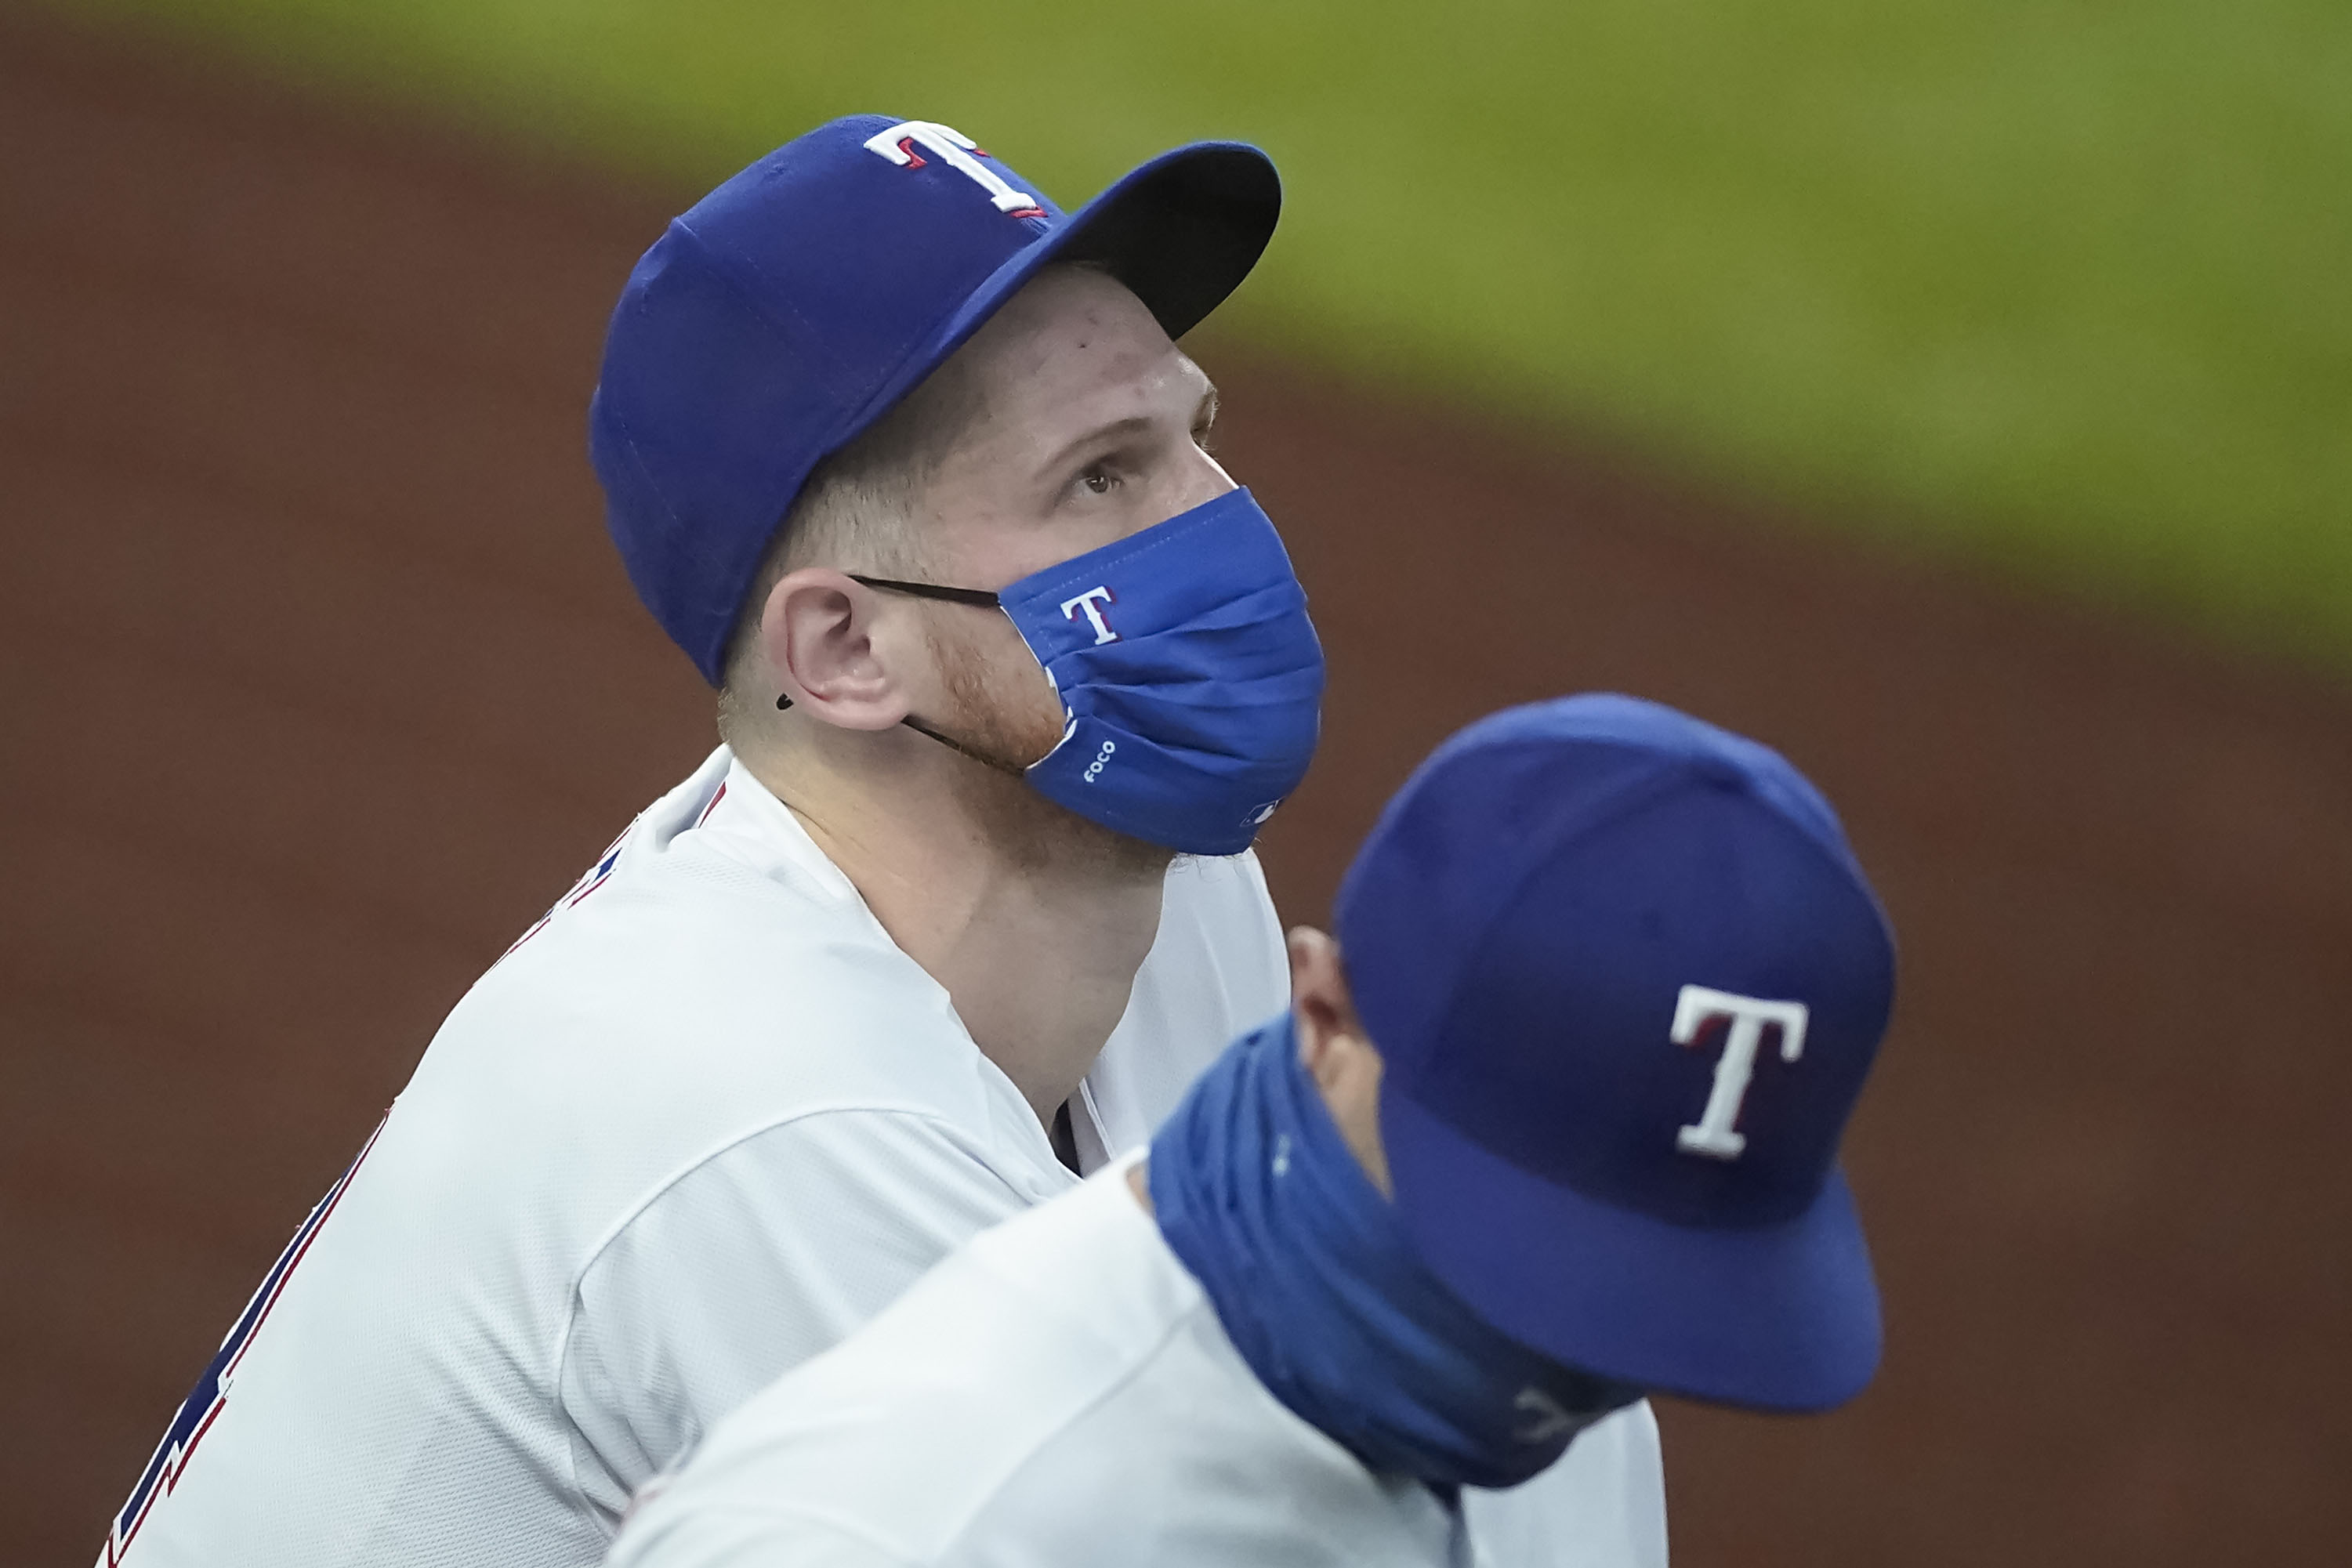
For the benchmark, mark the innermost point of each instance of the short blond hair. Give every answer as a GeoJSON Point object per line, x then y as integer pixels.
{"type": "Point", "coordinates": [856, 511]}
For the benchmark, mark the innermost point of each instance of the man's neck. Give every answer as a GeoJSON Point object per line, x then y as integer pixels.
{"type": "Point", "coordinates": [1037, 949]}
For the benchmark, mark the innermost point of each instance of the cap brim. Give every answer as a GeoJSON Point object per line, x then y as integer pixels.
{"type": "Point", "coordinates": [1779, 1317]}
{"type": "Point", "coordinates": [1181, 230]}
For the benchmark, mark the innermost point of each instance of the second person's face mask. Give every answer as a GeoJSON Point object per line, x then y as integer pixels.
{"type": "Point", "coordinates": [1190, 675]}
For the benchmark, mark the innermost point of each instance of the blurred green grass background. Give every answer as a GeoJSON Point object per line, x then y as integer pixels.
{"type": "Point", "coordinates": [2063, 285]}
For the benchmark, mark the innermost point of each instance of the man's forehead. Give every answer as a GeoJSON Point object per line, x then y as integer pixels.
{"type": "Point", "coordinates": [1070, 322]}
{"type": "Point", "coordinates": [1078, 343]}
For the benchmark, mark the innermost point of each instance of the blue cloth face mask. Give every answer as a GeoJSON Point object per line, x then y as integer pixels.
{"type": "Point", "coordinates": [1189, 675]}
{"type": "Point", "coordinates": [1324, 1295]}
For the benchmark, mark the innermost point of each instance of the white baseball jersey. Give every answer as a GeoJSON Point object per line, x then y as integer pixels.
{"type": "Point", "coordinates": [698, 1125]}
{"type": "Point", "coordinates": [1060, 1394]}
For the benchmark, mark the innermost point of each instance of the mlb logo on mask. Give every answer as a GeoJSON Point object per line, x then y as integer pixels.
{"type": "Point", "coordinates": [1090, 604]}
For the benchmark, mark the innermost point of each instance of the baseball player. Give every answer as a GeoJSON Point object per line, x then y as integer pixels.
{"type": "Point", "coordinates": [905, 460]}
{"type": "Point", "coordinates": [1554, 1122]}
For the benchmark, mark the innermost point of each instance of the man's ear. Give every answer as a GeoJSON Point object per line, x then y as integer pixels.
{"type": "Point", "coordinates": [820, 636]}
{"type": "Point", "coordinates": [1321, 1002]}
{"type": "Point", "coordinates": [1335, 1050]}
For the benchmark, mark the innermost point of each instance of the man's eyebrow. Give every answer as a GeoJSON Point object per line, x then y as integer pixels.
{"type": "Point", "coordinates": [1204, 414]}
{"type": "Point", "coordinates": [1134, 424]}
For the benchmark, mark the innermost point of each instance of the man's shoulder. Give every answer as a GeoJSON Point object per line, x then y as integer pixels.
{"type": "Point", "coordinates": [680, 965]}
{"type": "Point", "coordinates": [682, 999]}
{"type": "Point", "coordinates": [630, 1053]}
{"type": "Point", "coordinates": [1046, 1310]}
{"type": "Point", "coordinates": [913, 1425]}
{"type": "Point", "coordinates": [691, 979]}
{"type": "Point", "coordinates": [1060, 1383]}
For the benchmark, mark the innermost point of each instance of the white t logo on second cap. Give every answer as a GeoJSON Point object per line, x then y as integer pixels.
{"type": "Point", "coordinates": [959, 152]}
{"type": "Point", "coordinates": [1713, 1134]}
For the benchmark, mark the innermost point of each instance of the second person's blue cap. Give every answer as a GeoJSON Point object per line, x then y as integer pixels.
{"type": "Point", "coordinates": [790, 308]}
{"type": "Point", "coordinates": [1626, 981]}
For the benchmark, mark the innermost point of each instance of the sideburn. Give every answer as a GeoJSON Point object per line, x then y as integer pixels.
{"type": "Point", "coordinates": [1012, 717]}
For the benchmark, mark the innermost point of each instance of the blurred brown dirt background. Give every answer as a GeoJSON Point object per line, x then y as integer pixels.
{"type": "Point", "coordinates": [323, 680]}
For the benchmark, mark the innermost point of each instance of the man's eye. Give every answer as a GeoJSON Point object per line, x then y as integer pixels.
{"type": "Point", "coordinates": [1098, 480]}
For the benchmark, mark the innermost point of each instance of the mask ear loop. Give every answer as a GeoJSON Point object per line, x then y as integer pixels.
{"type": "Point", "coordinates": [1009, 769]}
{"type": "Point", "coordinates": [979, 597]}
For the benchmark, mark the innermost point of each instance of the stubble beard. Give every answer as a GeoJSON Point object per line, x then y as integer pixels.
{"type": "Point", "coordinates": [999, 715]}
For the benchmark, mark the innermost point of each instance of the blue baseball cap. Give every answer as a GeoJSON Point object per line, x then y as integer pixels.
{"type": "Point", "coordinates": [1626, 980]}
{"type": "Point", "coordinates": [790, 308]}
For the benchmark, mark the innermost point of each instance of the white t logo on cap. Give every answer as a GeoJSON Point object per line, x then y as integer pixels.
{"type": "Point", "coordinates": [957, 150]}
{"type": "Point", "coordinates": [1713, 1134]}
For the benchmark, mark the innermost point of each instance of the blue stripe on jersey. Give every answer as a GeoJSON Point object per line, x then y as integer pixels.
{"type": "Point", "coordinates": [204, 1401]}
